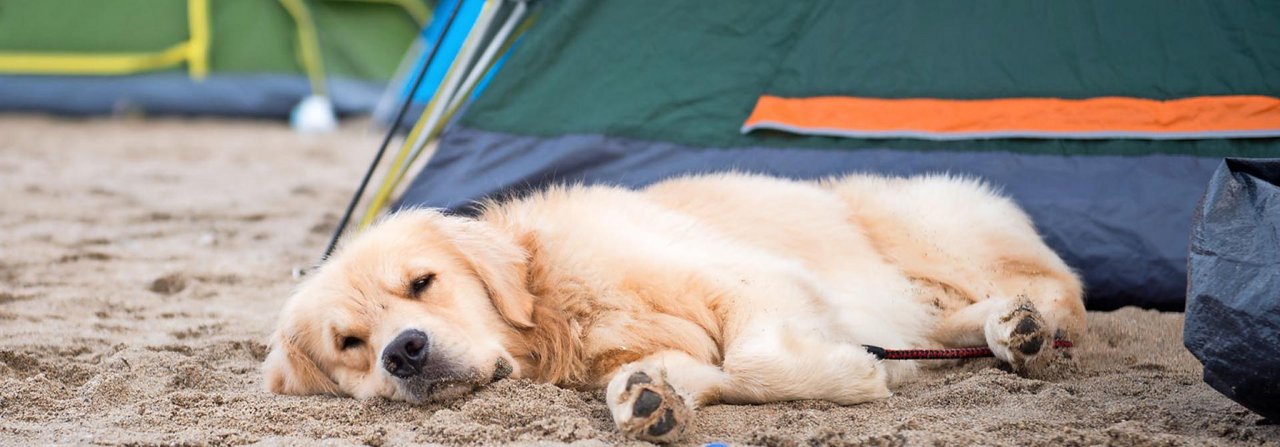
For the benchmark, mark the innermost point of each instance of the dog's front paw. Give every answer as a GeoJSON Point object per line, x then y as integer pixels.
{"type": "Point", "coordinates": [646, 407]}
{"type": "Point", "coordinates": [1019, 335]}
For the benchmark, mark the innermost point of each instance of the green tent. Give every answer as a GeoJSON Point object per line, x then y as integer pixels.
{"type": "Point", "coordinates": [240, 57]}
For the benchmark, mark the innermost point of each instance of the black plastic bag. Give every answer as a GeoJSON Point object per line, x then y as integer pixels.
{"type": "Point", "coordinates": [1233, 292]}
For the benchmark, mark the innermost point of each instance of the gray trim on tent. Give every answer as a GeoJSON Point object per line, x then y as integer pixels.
{"type": "Point", "coordinates": [1122, 222]}
{"type": "Point", "coordinates": [174, 92]}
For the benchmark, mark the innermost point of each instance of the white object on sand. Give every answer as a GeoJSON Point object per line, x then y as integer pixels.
{"type": "Point", "coordinates": [314, 114]}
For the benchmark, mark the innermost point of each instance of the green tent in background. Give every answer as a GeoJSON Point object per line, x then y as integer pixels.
{"type": "Point", "coordinates": [234, 57]}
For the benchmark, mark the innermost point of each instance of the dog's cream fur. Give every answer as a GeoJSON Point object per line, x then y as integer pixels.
{"type": "Point", "coordinates": [720, 288]}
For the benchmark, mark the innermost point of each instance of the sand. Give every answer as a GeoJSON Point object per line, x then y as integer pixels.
{"type": "Point", "coordinates": [142, 264]}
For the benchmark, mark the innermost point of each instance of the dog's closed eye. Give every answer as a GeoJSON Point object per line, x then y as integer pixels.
{"type": "Point", "coordinates": [351, 342]}
{"type": "Point", "coordinates": [420, 284]}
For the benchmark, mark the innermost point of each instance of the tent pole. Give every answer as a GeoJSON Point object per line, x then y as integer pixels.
{"type": "Point", "coordinates": [473, 75]}
{"type": "Point", "coordinates": [486, 58]}
{"type": "Point", "coordinates": [427, 122]}
{"type": "Point", "coordinates": [389, 179]}
{"type": "Point", "coordinates": [391, 132]}
{"type": "Point", "coordinates": [451, 83]}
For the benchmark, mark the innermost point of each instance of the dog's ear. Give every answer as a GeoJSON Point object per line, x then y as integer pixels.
{"type": "Point", "coordinates": [288, 370]}
{"type": "Point", "coordinates": [499, 263]}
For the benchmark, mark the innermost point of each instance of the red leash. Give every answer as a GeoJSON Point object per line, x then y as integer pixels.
{"type": "Point", "coordinates": [941, 354]}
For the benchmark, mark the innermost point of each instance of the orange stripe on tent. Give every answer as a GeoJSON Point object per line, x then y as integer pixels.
{"type": "Point", "coordinates": [1106, 117]}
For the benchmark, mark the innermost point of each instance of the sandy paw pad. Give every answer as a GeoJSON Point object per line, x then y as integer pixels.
{"type": "Point", "coordinates": [658, 413]}
{"type": "Point", "coordinates": [1027, 335]}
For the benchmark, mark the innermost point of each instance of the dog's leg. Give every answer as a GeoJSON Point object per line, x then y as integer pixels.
{"type": "Point", "coordinates": [1014, 330]}
{"type": "Point", "coordinates": [977, 258]}
{"type": "Point", "coordinates": [654, 399]}
{"type": "Point", "coordinates": [1031, 305]}
{"type": "Point", "coordinates": [783, 363]}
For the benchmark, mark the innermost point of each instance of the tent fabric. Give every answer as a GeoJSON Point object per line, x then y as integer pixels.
{"type": "Point", "coordinates": [1024, 69]}
{"type": "Point", "coordinates": [1233, 301]}
{"type": "Point", "coordinates": [193, 51]}
{"type": "Point", "coordinates": [630, 69]}
{"type": "Point", "coordinates": [449, 48]}
{"type": "Point", "coordinates": [175, 93]}
{"type": "Point", "coordinates": [361, 42]}
{"type": "Point", "coordinates": [444, 61]}
{"type": "Point", "coordinates": [631, 92]}
{"type": "Point", "coordinates": [1150, 49]}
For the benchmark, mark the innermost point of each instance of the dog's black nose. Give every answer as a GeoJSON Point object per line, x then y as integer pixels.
{"type": "Point", "coordinates": [405, 355]}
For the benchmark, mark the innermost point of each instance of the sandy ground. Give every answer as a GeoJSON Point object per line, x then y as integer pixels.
{"type": "Point", "coordinates": [142, 264]}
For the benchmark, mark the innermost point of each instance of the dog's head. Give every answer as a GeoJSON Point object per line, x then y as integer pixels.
{"type": "Point", "coordinates": [421, 307]}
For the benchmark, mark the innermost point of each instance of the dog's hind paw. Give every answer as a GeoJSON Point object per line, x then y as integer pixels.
{"type": "Point", "coordinates": [1019, 335]}
{"type": "Point", "coordinates": [647, 408]}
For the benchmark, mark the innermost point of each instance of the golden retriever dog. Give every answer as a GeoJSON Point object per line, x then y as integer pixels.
{"type": "Point", "coordinates": [725, 288]}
